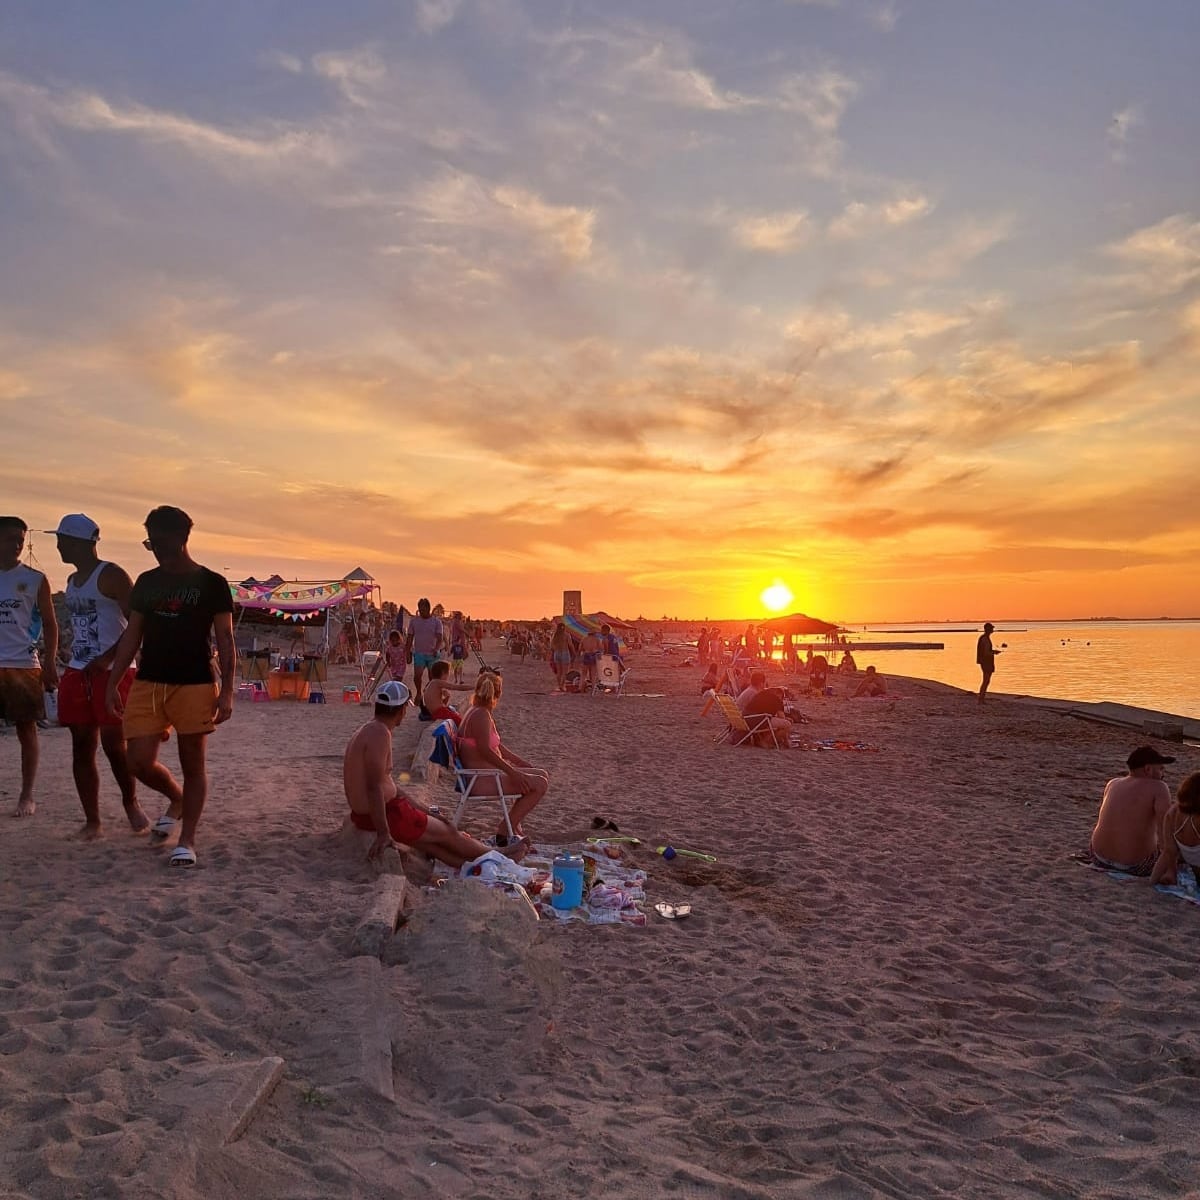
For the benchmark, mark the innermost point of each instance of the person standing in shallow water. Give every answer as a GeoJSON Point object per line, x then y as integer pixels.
{"type": "Point", "coordinates": [985, 656]}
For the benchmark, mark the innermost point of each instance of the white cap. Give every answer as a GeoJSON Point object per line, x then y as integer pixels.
{"type": "Point", "coordinates": [393, 694]}
{"type": "Point", "coordinates": [77, 525]}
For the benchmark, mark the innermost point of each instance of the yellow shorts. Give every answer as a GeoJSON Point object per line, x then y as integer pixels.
{"type": "Point", "coordinates": [153, 708]}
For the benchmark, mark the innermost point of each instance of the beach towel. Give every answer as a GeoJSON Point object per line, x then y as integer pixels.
{"type": "Point", "coordinates": [1185, 887]}
{"type": "Point", "coordinates": [799, 743]}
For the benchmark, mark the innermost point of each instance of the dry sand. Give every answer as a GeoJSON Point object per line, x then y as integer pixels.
{"type": "Point", "coordinates": [893, 983]}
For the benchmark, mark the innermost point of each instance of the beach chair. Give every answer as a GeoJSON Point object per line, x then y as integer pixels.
{"type": "Point", "coordinates": [466, 781]}
{"type": "Point", "coordinates": [609, 676]}
{"type": "Point", "coordinates": [739, 728]}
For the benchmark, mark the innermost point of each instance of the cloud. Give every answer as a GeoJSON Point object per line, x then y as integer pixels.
{"type": "Point", "coordinates": [433, 15]}
{"type": "Point", "coordinates": [774, 233]}
{"type": "Point", "coordinates": [859, 219]}
{"type": "Point", "coordinates": [357, 74]}
{"type": "Point", "coordinates": [962, 244]}
{"type": "Point", "coordinates": [1122, 123]}
{"type": "Point", "coordinates": [89, 112]}
{"type": "Point", "coordinates": [884, 16]}
{"type": "Point", "coordinates": [1162, 258]}
{"type": "Point", "coordinates": [456, 198]}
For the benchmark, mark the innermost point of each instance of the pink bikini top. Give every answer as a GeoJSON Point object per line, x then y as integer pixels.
{"type": "Point", "coordinates": [493, 735]}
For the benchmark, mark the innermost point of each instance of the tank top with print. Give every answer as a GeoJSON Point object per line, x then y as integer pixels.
{"type": "Point", "coordinates": [20, 618]}
{"type": "Point", "coordinates": [97, 621]}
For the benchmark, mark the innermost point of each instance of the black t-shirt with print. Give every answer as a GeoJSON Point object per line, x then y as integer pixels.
{"type": "Point", "coordinates": [178, 612]}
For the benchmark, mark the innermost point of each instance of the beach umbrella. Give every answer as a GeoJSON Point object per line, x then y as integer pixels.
{"type": "Point", "coordinates": [800, 625]}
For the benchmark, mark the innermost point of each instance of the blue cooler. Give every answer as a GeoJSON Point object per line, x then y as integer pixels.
{"type": "Point", "coordinates": [567, 881]}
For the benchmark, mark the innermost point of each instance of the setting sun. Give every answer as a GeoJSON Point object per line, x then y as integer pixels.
{"type": "Point", "coordinates": [777, 597]}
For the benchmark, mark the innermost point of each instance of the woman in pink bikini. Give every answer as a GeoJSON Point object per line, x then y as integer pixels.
{"type": "Point", "coordinates": [481, 748]}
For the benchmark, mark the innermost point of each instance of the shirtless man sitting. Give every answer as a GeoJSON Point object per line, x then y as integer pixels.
{"type": "Point", "coordinates": [871, 684]}
{"type": "Point", "coordinates": [1131, 813]}
{"type": "Point", "coordinates": [376, 806]}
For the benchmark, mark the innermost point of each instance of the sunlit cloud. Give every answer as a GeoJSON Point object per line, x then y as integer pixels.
{"type": "Point", "coordinates": [92, 113]}
{"type": "Point", "coordinates": [1161, 259]}
{"type": "Point", "coordinates": [775, 233]}
{"type": "Point", "coordinates": [859, 219]}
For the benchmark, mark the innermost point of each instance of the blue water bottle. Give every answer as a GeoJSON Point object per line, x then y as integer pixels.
{"type": "Point", "coordinates": [567, 881]}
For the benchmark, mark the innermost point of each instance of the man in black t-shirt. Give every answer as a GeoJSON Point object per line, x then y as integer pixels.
{"type": "Point", "coordinates": [172, 610]}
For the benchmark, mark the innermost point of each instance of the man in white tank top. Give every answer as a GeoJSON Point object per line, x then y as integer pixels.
{"type": "Point", "coordinates": [26, 613]}
{"type": "Point", "coordinates": [97, 597]}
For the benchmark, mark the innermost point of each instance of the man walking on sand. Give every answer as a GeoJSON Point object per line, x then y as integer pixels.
{"type": "Point", "coordinates": [423, 643]}
{"type": "Point", "coordinates": [985, 656]}
{"type": "Point", "coordinates": [26, 613]}
{"type": "Point", "coordinates": [1126, 833]}
{"type": "Point", "coordinates": [377, 807]}
{"type": "Point", "coordinates": [172, 610]}
{"type": "Point", "coordinates": [97, 597]}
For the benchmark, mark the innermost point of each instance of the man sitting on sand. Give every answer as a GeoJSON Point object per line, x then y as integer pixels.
{"type": "Point", "coordinates": [377, 807]}
{"type": "Point", "coordinates": [1131, 813]}
{"type": "Point", "coordinates": [871, 684]}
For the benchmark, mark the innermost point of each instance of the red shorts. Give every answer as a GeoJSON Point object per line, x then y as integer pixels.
{"type": "Point", "coordinates": [81, 697]}
{"type": "Point", "coordinates": [446, 713]}
{"type": "Point", "coordinates": [406, 822]}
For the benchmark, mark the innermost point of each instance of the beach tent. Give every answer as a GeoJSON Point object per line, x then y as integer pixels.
{"type": "Point", "coordinates": [299, 600]}
{"type": "Point", "coordinates": [800, 625]}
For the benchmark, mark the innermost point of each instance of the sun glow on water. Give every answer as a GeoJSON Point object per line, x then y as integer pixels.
{"type": "Point", "coordinates": [777, 597]}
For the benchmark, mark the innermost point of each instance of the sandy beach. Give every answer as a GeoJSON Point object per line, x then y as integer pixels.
{"type": "Point", "coordinates": [894, 981]}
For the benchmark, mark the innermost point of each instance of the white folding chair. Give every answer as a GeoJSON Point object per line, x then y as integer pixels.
{"type": "Point", "coordinates": [609, 675]}
{"type": "Point", "coordinates": [467, 780]}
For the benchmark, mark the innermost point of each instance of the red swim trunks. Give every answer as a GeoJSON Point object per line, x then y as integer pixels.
{"type": "Point", "coordinates": [81, 697]}
{"type": "Point", "coordinates": [406, 822]}
{"type": "Point", "coordinates": [446, 713]}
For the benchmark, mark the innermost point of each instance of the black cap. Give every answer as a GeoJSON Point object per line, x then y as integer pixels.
{"type": "Point", "coordinates": [1147, 756]}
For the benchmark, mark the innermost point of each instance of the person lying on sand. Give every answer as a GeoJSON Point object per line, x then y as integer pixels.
{"type": "Point", "coordinates": [1131, 814]}
{"type": "Point", "coordinates": [376, 806]}
{"type": "Point", "coordinates": [1179, 838]}
{"type": "Point", "coordinates": [480, 748]}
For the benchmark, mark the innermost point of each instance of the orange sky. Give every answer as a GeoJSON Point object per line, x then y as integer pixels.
{"type": "Point", "coordinates": [496, 303]}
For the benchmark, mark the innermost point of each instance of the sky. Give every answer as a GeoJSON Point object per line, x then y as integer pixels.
{"type": "Point", "coordinates": [894, 302]}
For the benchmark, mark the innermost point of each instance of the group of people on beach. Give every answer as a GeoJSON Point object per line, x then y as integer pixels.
{"type": "Point", "coordinates": [167, 617]}
{"type": "Point", "coordinates": [1140, 829]}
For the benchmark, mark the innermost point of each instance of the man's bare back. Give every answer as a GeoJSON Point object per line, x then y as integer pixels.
{"type": "Point", "coordinates": [1130, 815]}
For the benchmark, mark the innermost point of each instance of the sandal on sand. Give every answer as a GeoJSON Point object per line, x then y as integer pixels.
{"type": "Point", "coordinates": [182, 856]}
{"type": "Point", "coordinates": [164, 826]}
{"type": "Point", "coordinates": [605, 823]}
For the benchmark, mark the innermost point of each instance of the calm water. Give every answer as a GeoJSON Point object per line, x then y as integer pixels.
{"type": "Point", "coordinates": [1151, 664]}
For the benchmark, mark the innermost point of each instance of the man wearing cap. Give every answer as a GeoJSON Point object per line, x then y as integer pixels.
{"type": "Point", "coordinates": [1131, 813]}
{"type": "Point", "coordinates": [377, 807]}
{"type": "Point", "coordinates": [97, 597]}
{"type": "Point", "coordinates": [985, 656]}
{"type": "Point", "coordinates": [26, 613]}
{"type": "Point", "coordinates": [172, 611]}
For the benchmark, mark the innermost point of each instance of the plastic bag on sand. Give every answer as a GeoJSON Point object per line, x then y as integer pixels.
{"type": "Point", "coordinates": [494, 866]}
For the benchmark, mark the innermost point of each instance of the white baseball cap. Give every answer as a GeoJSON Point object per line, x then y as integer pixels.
{"type": "Point", "coordinates": [393, 694]}
{"type": "Point", "coordinates": [77, 525]}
